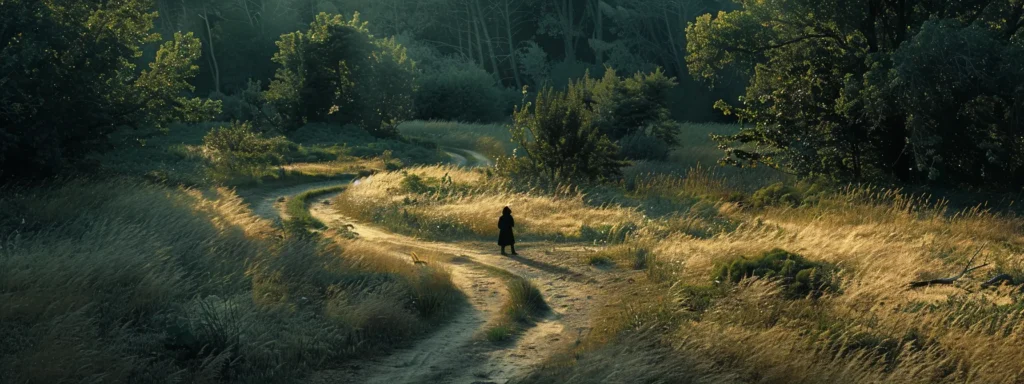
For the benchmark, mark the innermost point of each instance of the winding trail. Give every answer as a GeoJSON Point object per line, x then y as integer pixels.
{"type": "Point", "coordinates": [458, 352]}
{"type": "Point", "coordinates": [465, 157]}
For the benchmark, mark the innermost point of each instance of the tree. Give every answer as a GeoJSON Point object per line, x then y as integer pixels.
{"type": "Point", "coordinates": [848, 89]}
{"type": "Point", "coordinates": [561, 141]}
{"type": "Point", "coordinates": [638, 105]}
{"type": "Point", "coordinates": [68, 79]}
{"type": "Point", "coordinates": [337, 72]}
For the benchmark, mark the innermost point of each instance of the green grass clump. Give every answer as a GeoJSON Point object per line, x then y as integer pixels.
{"type": "Point", "coordinates": [800, 277]}
{"type": "Point", "coordinates": [525, 301]}
{"type": "Point", "coordinates": [524, 305]}
{"type": "Point", "coordinates": [298, 211]}
{"type": "Point", "coordinates": [500, 332]}
{"type": "Point", "coordinates": [632, 255]}
{"type": "Point", "coordinates": [600, 261]}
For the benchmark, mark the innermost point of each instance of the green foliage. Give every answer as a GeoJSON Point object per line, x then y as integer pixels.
{"type": "Point", "coordinates": [855, 91]}
{"type": "Point", "coordinates": [238, 150]}
{"type": "Point", "coordinates": [561, 141]}
{"type": "Point", "coordinates": [456, 90]}
{"type": "Point", "coordinates": [800, 277]}
{"type": "Point", "coordinates": [297, 208]}
{"type": "Point", "coordinates": [775, 195]}
{"type": "Point", "coordinates": [638, 105]}
{"type": "Point", "coordinates": [337, 72]}
{"type": "Point", "coordinates": [69, 79]}
{"type": "Point", "coordinates": [640, 146]}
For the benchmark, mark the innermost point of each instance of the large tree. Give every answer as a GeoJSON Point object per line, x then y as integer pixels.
{"type": "Point", "coordinates": [338, 72]}
{"type": "Point", "coordinates": [904, 89]}
{"type": "Point", "coordinates": [68, 78]}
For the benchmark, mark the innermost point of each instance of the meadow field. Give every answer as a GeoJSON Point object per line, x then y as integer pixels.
{"type": "Point", "coordinates": [747, 275]}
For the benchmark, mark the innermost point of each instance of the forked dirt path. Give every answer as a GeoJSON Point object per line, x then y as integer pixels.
{"type": "Point", "coordinates": [458, 352]}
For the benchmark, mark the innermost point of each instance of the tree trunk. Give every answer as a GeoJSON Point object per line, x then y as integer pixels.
{"type": "Point", "coordinates": [479, 43]}
{"type": "Point", "coordinates": [677, 58]}
{"type": "Point", "coordinates": [511, 45]}
{"type": "Point", "coordinates": [598, 34]}
{"type": "Point", "coordinates": [487, 39]}
{"type": "Point", "coordinates": [213, 55]}
{"type": "Point", "coordinates": [567, 20]}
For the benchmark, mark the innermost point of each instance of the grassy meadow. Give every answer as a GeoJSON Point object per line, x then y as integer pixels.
{"type": "Point", "coordinates": [158, 272]}
{"type": "Point", "coordinates": [748, 275]}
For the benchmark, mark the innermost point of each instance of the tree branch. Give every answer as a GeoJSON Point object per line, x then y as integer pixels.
{"type": "Point", "coordinates": [782, 44]}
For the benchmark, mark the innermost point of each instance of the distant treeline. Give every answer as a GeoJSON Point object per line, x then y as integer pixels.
{"type": "Point", "coordinates": [513, 43]}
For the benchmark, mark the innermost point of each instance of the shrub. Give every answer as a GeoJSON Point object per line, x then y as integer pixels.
{"type": "Point", "coordinates": [799, 276]}
{"type": "Point", "coordinates": [246, 105]}
{"type": "Point", "coordinates": [637, 105]}
{"type": "Point", "coordinates": [459, 91]}
{"type": "Point", "coordinates": [238, 150]}
{"type": "Point", "coordinates": [775, 195]}
{"type": "Point", "coordinates": [561, 141]}
{"type": "Point", "coordinates": [337, 72]}
{"type": "Point", "coordinates": [639, 146]}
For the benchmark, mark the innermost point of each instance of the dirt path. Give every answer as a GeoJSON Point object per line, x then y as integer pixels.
{"type": "Point", "coordinates": [457, 159]}
{"type": "Point", "coordinates": [464, 157]}
{"type": "Point", "coordinates": [458, 352]}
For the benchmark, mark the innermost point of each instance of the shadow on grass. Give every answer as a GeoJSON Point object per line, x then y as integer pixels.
{"type": "Point", "coordinates": [550, 268]}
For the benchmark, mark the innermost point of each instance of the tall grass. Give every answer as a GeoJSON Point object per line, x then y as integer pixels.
{"type": "Point", "coordinates": [120, 281]}
{"type": "Point", "coordinates": [467, 206]}
{"type": "Point", "coordinates": [297, 208]}
{"type": "Point", "coordinates": [492, 140]}
{"type": "Point", "coordinates": [871, 328]}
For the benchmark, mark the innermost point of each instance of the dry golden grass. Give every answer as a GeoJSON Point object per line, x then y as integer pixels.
{"type": "Point", "coordinates": [470, 206]}
{"type": "Point", "coordinates": [873, 329]}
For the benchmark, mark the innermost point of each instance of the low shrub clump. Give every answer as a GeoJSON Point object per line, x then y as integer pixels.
{"type": "Point", "coordinates": [799, 276]}
{"type": "Point", "coordinates": [524, 305]}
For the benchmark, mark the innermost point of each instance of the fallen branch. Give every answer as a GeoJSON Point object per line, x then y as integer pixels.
{"type": "Point", "coordinates": [416, 260]}
{"type": "Point", "coordinates": [950, 280]}
{"type": "Point", "coordinates": [995, 281]}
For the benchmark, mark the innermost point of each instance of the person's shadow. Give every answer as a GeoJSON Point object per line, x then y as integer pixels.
{"type": "Point", "coordinates": [550, 268]}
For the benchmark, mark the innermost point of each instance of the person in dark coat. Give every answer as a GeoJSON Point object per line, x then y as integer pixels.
{"type": "Point", "coordinates": [505, 236]}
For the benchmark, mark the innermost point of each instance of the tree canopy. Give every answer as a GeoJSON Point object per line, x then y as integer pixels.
{"type": "Point", "coordinates": [911, 90]}
{"type": "Point", "coordinates": [68, 78]}
{"type": "Point", "coordinates": [338, 72]}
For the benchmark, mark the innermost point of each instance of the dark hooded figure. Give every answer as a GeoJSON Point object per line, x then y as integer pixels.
{"type": "Point", "coordinates": [505, 236]}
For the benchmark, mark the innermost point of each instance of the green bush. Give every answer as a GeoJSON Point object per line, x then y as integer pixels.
{"type": "Point", "coordinates": [337, 72]}
{"type": "Point", "coordinates": [246, 105]}
{"type": "Point", "coordinates": [799, 277]}
{"type": "Point", "coordinates": [561, 141]}
{"type": "Point", "coordinates": [637, 105]}
{"type": "Point", "coordinates": [459, 91]}
{"type": "Point", "coordinates": [238, 150]}
{"type": "Point", "coordinates": [778, 194]}
{"type": "Point", "coordinates": [639, 146]}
